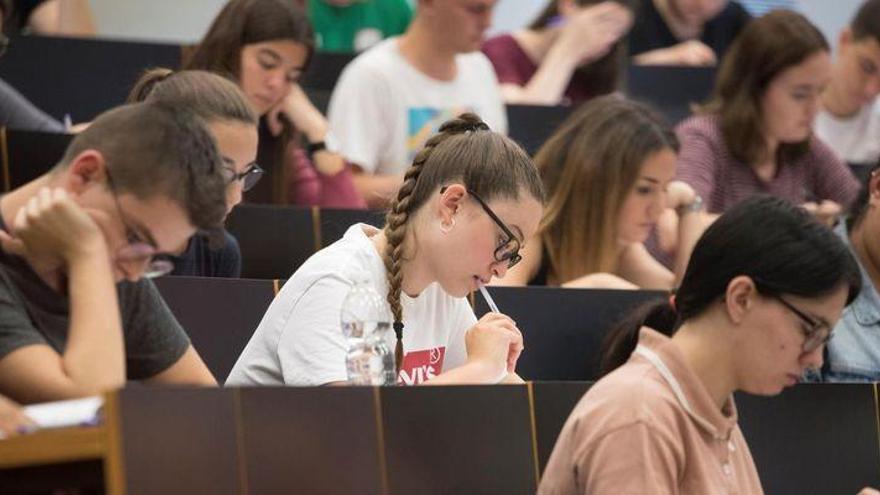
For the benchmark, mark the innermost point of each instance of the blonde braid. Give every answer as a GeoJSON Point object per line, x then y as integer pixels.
{"type": "Point", "coordinates": [398, 215]}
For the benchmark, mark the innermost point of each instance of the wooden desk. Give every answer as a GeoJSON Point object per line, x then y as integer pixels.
{"type": "Point", "coordinates": [389, 441]}
{"type": "Point", "coordinates": [48, 448]}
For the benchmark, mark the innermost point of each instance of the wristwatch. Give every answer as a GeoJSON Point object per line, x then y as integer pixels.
{"type": "Point", "coordinates": [313, 148]}
{"type": "Point", "coordinates": [694, 206]}
{"type": "Point", "coordinates": [328, 143]}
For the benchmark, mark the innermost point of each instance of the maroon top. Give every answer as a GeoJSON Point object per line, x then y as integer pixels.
{"type": "Point", "coordinates": [706, 164]}
{"type": "Point", "coordinates": [307, 186]}
{"type": "Point", "coordinates": [513, 66]}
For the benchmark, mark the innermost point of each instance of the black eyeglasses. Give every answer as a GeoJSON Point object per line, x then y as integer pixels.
{"type": "Point", "coordinates": [508, 250]}
{"type": "Point", "coordinates": [816, 333]}
{"type": "Point", "coordinates": [249, 177]}
{"type": "Point", "coordinates": [137, 249]}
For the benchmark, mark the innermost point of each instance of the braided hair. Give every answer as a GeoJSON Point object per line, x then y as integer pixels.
{"type": "Point", "coordinates": [465, 150]}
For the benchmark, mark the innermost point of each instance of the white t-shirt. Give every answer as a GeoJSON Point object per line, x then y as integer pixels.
{"type": "Point", "coordinates": [300, 340]}
{"type": "Point", "coordinates": [855, 139]}
{"type": "Point", "coordinates": [383, 109]}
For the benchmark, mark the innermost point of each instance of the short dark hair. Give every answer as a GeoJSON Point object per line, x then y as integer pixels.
{"type": "Point", "coordinates": [866, 22]}
{"type": "Point", "coordinates": [781, 247]}
{"type": "Point", "coordinates": [153, 149]}
{"type": "Point", "coordinates": [766, 47]}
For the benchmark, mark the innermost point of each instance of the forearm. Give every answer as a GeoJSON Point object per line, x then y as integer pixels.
{"type": "Point", "coordinates": [63, 17]}
{"type": "Point", "coordinates": [548, 84]}
{"type": "Point", "coordinates": [328, 163]}
{"type": "Point", "coordinates": [94, 358]}
{"type": "Point", "coordinates": [473, 373]}
{"type": "Point", "coordinates": [377, 190]}
{"type": "Point", "coordinates": [75, 18]}
{"type": "Point", "coordinates": [660, 56]}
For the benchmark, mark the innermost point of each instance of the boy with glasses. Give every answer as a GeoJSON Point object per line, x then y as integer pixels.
{"type": "Point", "coordinates": [77, 315]}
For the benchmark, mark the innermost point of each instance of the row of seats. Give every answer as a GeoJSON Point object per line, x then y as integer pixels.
{"type": "Point", "coordinates": [425, 440]}
{"type": "Point", "coordinates": [274, 240]}
{"type": "Point", "coordinates": [83, 77]}
{"type": "Point", "coordinates": [562, 328]}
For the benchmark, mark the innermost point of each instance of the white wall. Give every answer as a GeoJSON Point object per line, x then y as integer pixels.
{"type": "Point", "coordinates": [514, 14]}
{"type": "Point", "coordinates": [184, 21]}
{"type": "Point", "coordinates": [830, 15]}
{"type": "Point", "coordinates": [173, 21]}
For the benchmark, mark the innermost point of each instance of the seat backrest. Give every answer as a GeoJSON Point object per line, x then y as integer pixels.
{"type": "Point", "coordinates": [563, 329]}
{"type": "Point", "coordinates": [218, 314]}
{"type": "Point", "coordinates": [274, 240]}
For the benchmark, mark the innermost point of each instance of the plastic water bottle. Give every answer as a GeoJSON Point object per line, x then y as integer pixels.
{"type": "Point", "coordinates": [366, 323]}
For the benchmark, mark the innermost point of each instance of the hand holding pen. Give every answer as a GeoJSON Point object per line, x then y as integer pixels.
{"type": "Point", "coordinates": [495, 341]}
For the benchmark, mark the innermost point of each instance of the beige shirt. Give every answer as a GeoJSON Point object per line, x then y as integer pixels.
{"type": "Point", "coordinates": [651, 427]}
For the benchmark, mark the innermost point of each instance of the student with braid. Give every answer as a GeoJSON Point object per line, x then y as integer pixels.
{"type": "Point", "coordinates": [466, 205]}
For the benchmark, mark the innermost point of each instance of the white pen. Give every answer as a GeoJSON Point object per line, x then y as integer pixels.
{"type": "Point", "coordinates": [488, 299]}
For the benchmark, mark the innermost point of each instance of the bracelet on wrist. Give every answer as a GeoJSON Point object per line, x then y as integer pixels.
{"type": "Point", "coordinates": [694, 206]}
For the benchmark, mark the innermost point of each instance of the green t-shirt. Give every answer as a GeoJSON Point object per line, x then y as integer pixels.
{"type": "Point", "coordinates": [360, 25]}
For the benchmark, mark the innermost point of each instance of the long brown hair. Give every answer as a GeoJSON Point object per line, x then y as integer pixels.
{"type": "Point", "coordinates": [765, 48]}
{"type": "Point", "coordinates": [604, 75]}
{"type": "Point", "coordinates": [210, 96]}
{"type": "Point", "coordinates": [244, 22]}
{"type": "Point", "coordinates": [589, 167]}
{"type": "Point", "coordinates": [463, 150]}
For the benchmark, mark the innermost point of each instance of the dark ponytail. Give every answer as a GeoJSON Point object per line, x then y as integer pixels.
{"type": "Point", "coordinates": [780, 246]}
{"type": "Point", "coordinates": [621, 341]}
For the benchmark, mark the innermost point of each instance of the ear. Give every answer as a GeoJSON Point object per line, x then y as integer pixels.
{"type": "Point", "coordinates": [874, 188]}
{"type": "Point", "coordinates": [450, 201]}
{"type": "Point", "coordinates": [739, 298]}
{"type": "Point", "coordinates": [86, 170]}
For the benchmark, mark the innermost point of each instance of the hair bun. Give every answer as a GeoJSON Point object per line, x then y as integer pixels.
{"type": "Point", "coordinates": [466, 122]}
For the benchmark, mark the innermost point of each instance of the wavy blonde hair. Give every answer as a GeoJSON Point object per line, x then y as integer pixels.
{"type": "Point", "coordinates": [589, 167]}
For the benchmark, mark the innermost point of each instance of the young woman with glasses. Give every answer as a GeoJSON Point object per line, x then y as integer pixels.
{"type": "Point", "coordinates": [761, 294]}
{"type": "Point", "coordinates": [608, 175]}
{"type": "Point", "coordinates": [265, 46]}
{"type": "Point", "coordinates": [466, 206]}
{"type": "Point", "coordinates": [229, 116]}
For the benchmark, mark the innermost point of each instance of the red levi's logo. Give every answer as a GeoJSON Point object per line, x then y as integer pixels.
{"type": "Point", "coordinates": [421, 366]}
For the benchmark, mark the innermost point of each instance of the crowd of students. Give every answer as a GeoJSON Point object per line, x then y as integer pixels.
{"type": "Point", "coordinates": [746, 212]}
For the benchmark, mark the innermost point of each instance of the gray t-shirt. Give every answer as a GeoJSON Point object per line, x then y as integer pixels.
{"type": "Point", "coordinates": [19, 113]}
{"type": "Point", "coordinates": [31, 312]}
